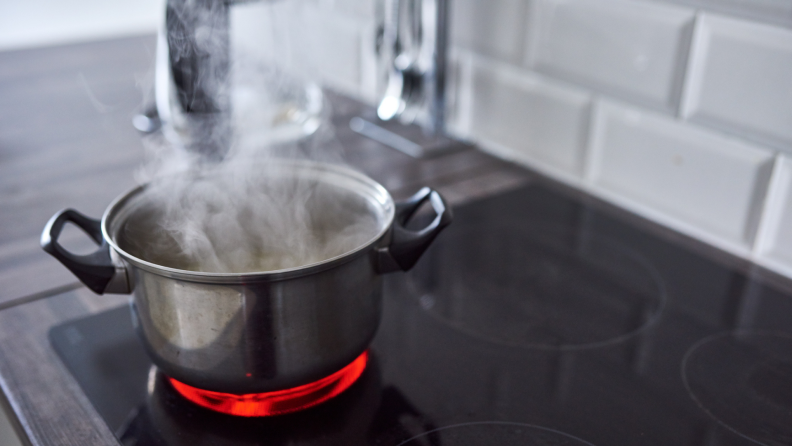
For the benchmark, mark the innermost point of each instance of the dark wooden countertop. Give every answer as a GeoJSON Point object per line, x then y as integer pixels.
{"type": "Point", "coordinates": [66, 140]}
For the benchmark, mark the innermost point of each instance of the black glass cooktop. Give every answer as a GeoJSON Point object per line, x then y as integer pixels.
{"type": "Point", "coordinates": [534, 320]}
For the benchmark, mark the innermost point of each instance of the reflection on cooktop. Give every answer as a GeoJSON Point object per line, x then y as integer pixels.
{"type": "Point", "coordinates": [538, 286]}
{"type": "Point", "coordinates": [495, 433]}
{"type": "Point", "coordinates": [744, 381]}
{"type": "Point", "coordinates": [535, 319]}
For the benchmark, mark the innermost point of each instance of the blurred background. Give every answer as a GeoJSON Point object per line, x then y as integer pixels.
{"type": "Point", "coordinates": [47, 22]}
{"type": "Point", "coordinates": [678, 110]}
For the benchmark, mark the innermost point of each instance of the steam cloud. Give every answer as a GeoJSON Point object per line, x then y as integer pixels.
{"type": "Point", "coordinates": [219, 197]}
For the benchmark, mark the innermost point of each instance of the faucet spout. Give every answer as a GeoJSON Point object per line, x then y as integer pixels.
{"type": "Point", "coordinates": [197, 36]}
{"type": "Point", "coordinates": [412, 58]}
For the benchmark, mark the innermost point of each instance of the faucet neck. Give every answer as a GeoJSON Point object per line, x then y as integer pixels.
{"type": "Point", "coordinates": [197, 33]}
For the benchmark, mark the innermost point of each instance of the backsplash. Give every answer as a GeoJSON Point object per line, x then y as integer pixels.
{"type": "Point", "coordinates": [680, 111]}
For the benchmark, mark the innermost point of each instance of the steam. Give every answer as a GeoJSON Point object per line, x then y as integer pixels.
{"type": "Point", "coordinates": [219, 195]}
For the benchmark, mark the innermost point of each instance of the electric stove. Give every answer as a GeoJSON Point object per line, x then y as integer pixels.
{"type": "Point", "coordinates": [535, 319]}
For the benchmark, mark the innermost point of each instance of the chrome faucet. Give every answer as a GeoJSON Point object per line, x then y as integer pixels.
{"type": "Point", "coordinates": [191, 103]}
{"type": "Point", "coordinates": [411, 50]}
{"type": "Point", "coordinates": [198, 46]}
{"type": "Point", "coordinates": [193, 65]}
{"type": "Point", "coordinates": [412, 54]}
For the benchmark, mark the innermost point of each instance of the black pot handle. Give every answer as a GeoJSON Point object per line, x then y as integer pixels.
{"type": "Point", "coordinates": [407, 246]}
{"type": "Point", "coordinates": [95, 270]}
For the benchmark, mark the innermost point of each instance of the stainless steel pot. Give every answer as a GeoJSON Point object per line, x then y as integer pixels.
{"type": "Point", "coordinates": [255, 331]}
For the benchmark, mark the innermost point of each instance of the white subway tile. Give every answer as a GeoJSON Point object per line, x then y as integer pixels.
{"type": "Point", "coordinates": [494, 28]}
{"type": "Point", "coordinates": [740, 80]}
{"type": "Point", "coordinates": [308, 39]}
{"type": "Point", "coordinates": [258, 31]}
{"type": "Point", "coordinates": [701, 179]}
{"type": "Point", "coordinates": [458, 93]}
{"type": "Point", "coordinates": [534, 117]}
{"type": "Point", "coordinates": [633, 50]}
{"type": "Point", "coordinates": [335, 46]}
{"type": "Point", "coordinates": [775, 238]}
{"type": "Point", "coordinates": [360, 8]}
{"type": "Point", "coordinates": [369, 81]}
{"type": "Point", "coordinates": [774, 11]}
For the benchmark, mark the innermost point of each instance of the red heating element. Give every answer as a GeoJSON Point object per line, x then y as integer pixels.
{"type": "Point", "coordinates": [276, 402]}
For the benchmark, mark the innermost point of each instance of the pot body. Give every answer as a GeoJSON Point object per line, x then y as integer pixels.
{"type": "Point", "coordinates": [260, 331]}
{"type": "Point", "coordinates": [258, 336]}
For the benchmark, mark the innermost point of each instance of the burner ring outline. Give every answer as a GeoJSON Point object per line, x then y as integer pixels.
{"type": "Point", "coordinates": [498, 423]}
{"type": "Point", "coordinates": [660, 294]}
{"type": "Point", "coordinates": [712, 338]}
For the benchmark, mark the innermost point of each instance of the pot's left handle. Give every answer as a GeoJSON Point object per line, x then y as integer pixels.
{"type": "Point", "coordinates": [408, 245]}
{"type": "Point", "coordinates": [97, 270]}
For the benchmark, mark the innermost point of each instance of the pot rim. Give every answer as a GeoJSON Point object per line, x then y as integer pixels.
{"type": "Point", "coordinates": [379, 194]}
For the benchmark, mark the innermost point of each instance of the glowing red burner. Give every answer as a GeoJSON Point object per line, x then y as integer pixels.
{"type": "Point", "coordinates": [279, 401]}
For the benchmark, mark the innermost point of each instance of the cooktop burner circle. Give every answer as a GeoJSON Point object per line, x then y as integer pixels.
{"type": "Point", "coordinates": [537, 286]}
{"type": "Point", "coordinates": [743, 380]}
{"type": "Point", "coordinates": [495, 432]}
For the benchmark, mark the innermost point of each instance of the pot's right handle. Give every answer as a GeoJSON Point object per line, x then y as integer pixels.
{"type": "Point", "coordinates": [406, 245]}
{"type": "Point", "coordinates": [97, 269]}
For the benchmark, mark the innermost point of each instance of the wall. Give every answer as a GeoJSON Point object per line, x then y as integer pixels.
{"type": "Point", "coordinates": [680, 111]}
{"type": "Point", "coordinates": [33, 23]}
